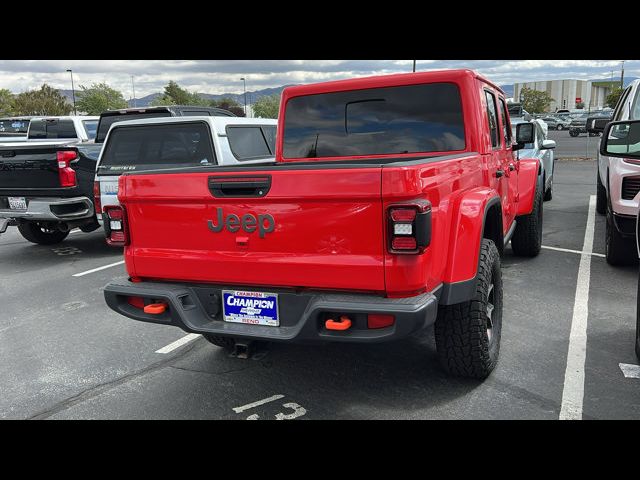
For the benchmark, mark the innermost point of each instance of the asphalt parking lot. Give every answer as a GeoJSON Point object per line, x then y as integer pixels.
{"type": "Point", "coordinates": [580, 147]}
{"type": "Point", "coordinates": [65, 355]}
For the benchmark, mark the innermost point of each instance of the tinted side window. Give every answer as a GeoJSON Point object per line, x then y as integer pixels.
{"type": "Point", "coordinates": [269, 132]}
{"type": "Point", "coordinates": [493, 118]}
{"type": "Point", "coordinates": [506, 127]}
{"type": "Point", "coordinates": [375, 121]}
{"type": "Point", "coordinates": [247, 142]}
{"type": "Point", "coordinates": [196, 113]}
{"type": "Point", "coordinates": [157, 146]}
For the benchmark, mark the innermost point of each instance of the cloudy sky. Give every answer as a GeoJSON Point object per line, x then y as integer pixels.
{"type": "Point", "coordinates": [223, 76]}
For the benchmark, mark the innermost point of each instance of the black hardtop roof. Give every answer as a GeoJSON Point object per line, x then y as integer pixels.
{"type": "Point", "coordinates": [174, 109]}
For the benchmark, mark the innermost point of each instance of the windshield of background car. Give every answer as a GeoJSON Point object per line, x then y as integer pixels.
{"type": "Point", "coordinates": [13, 127]}
{"type": "Point", "coordinates": [635, 108]}
{"type": "Point", "coordinates": [90, 126]}
{"type": "Point", "coordinates": [375, 121]}
{"type": "Point", "coordinates": [107, 120]}
{"type": "Point", "coordinates": [150, 147]}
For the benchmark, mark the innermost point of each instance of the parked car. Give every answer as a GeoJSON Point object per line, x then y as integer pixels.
{"type": "Point", "coordinates": [556, 123]}
{"type": "Point", "coordinates": [542, 149]}
{"type": "Point", "coordinates": [621, 139]}
{"type": "Point", "coordinates": [14, 129]}
{"type": "Point", "coordinates": [618, 186]}
{"type": "Point", "coordinates": [48, 185]}
{"type": "Point", "coordinates": [169, 143]}
{"type": "Point", "coordinates": [386, 210]}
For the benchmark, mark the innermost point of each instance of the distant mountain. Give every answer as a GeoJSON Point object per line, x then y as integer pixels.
{"type": "Point", "coordinates": [252, 96]}
{"type": "Point", "coordinates": [508, 90]}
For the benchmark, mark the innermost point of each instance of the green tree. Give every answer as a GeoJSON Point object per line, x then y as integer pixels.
{"type": "Point", "coordinates": [99, 98]}
{"type": "Point", "coordinates": [613, 97]}
{"type": "Point", "coordinates": [6, 103]}
{"type": "Point", "coordinates": [45, 101]}
{"type": "Point", "coordinates": [228, 103]}
{"type": "Point", "coordinates": [174, 94]}
{"type": "Point", "coordinates": [535, 101]}
{"type": "Point", "coordinates": [267, 107]}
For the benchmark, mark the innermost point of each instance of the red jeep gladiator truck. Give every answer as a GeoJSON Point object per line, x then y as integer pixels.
{"type": "Point", "coordinates": [387, 209]}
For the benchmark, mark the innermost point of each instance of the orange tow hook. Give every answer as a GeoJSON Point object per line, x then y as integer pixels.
{"type": "Point", "coordinates": [343, 324]}
{"type": "Point", "coordinates": [155, 308]}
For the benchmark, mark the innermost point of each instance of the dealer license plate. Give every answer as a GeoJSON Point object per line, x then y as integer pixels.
{"type": "Point", "coordinates": [17, 203]}
{"type": "Point", "coordinates": [256, 308]}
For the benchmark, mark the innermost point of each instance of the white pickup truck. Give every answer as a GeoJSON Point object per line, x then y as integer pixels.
{"type": "Point", "coordinates": [161, 143]}
{"type": "Point", "coordinates": [618, 186]}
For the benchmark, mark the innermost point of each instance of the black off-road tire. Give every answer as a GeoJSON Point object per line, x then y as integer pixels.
{"type": "Point", "coordinates": [466, 347]}
{"type": "Point", "coordinates": [618, 249]}
{"type": "Point", "coordinates": [527, 239]}
{"type": "Point", "coordinates": [227, 343]}
{"type": "Point", "coordinates": [35, 233]}
{"type": "Point", "coordinates": [601, 195]}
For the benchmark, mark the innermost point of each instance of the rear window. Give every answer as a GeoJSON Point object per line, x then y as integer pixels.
{"type": "Point", "coordinates": [377, 121]}
{"type": "Point", "coordinates": [50, 129]}
{"type": "Point", "coordinates": [90, 126]}
{"type": "Point", "coordinates": [10, 127]}
{"type": "Point", "coordinates": [107, 120]}
{"type": "Point", "coordinates": [157, 146]}
{"type": "Point", "coordinates": [251, 142]}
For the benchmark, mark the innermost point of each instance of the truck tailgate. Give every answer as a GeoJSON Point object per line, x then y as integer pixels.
{"type": "Point", "coordinates": [30, 166]}
{"type": "Point", "coordinates": [325, 229]}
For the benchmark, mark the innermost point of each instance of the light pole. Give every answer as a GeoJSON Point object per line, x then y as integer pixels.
{"type": "Point", "coordinates": [133, 89]}
{"type": "Point", "coordinates": [414, 66]}
{"type": "Point", "coordinates": [622, 76]}
{"type": "Point", "coordinates": [73, 93]}
{"type": "Point", "coordinates": [245, 95]}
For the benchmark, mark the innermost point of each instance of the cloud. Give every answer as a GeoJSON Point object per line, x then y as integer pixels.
{"type": "Point", "coordinates": [223, 76]}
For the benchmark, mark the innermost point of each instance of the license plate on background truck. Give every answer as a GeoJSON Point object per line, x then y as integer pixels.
{"type": "Point", "coordinates": [17, 203]}
{"type": "Point", "coordinates": [255, 308]}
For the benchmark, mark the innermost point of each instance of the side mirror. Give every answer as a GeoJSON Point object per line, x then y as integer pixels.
{"type": "Point", "coordinates": [621, 139]}
{"type": "Point", "coordinates": [548, 145]}
{"type": "Point", "coordinates": [524, 134]}
{"type": "Point", "coordinates": [597, 124]}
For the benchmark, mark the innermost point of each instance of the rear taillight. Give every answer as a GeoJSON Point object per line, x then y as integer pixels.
{"type": "Point", "coordinates": [409, 227]}
{"type": "Point", "coordinates": [97, 201]}
{"type": "Point", "coordinates": [66, 174]}
{"type": "Point", "coordinates": [115, 226]}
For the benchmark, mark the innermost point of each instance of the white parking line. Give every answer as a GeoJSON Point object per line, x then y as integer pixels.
{"type": "Point", "coordinates": [257, 404]}
{"type": "Point", "coordinates": [558, 249]}
{"type": "Point", "coordinates": [178, 343]}
{"type": "Point", "coordinates": [573, 390]}
{"type": "Point", "coordinates": [629, 370]}
{"type": "Point", "coordinates": [81, 274]}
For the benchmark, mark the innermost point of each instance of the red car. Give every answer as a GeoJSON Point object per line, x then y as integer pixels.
{"type": "Point", "coordinates": [387, 209]}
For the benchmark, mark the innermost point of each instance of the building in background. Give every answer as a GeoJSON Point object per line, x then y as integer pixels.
{"type": "Point", "coordinates": [567, 94]}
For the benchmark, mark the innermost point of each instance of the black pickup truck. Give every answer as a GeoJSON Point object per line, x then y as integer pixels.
{"type": "Point", "coordinates": [47, 188]}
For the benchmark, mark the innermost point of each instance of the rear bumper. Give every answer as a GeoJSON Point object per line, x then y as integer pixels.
{"type": "Point", "coordinates": [52, 209]}
{"type": "Point", "coordinates": [198, 309]}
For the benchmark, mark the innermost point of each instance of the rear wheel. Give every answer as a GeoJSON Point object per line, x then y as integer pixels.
{"type": "Point", "coordinates": [227, 343]}
{"type": "Point", "coordinates": [41, 234]}
{"type": "Point", "coordinates": [559, 127]}
{"type": "Point", "coordinates": [468, 333]}
{"type": "Point", "coordinates": [527, 239]}
{"type": "Point", "coordinates": [601, 195]}
{"type": "Point", "coordinates": [574, 133]}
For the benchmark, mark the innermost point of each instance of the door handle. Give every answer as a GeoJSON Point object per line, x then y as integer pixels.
{"type": "Point", "coordinates": [499, 173]}
{"type": "Point", "coordinates": [512, 167]}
